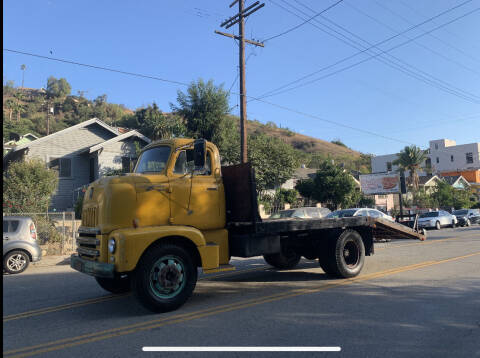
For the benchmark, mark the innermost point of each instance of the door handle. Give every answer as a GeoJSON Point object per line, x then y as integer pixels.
{"type": "Point", "coordinates": [212, 188]}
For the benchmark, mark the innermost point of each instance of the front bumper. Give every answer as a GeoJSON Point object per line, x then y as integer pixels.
{"type": "Point", "coordinates": [93, 268]}
{"type": "Point", "coordinates": [425, 224]}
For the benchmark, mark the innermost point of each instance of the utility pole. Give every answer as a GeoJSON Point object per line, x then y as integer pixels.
{"type": "Point", "coordinates": [239, 18]}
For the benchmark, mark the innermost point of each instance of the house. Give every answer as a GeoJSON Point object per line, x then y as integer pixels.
{"type": "Point", "coordinates": [17, 141]}
{"type": "Point", "coordinates": [81, 154]}
{"type": "Point", "coordinates": [457, 181]}
{"type": "Point", "coordinates": [428, 182]}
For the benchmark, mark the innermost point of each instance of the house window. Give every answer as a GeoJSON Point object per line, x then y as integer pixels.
{"type": "Point", "coordinates": [469, 157]}
{"type": "Point", "coordinates": [389, 166]}
{"type": "Point", "coordinates": [436, 146]}
{"type": "Point", "coordinates": [62, 165]}
{"type": "Point", "coordinates": [428, 163]}
{"type": "Point", "coordinates": [451, 158]}
{"type": "Point", "coordinates": [438, 160]}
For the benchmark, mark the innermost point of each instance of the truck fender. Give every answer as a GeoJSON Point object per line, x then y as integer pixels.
{"type": "Point", "coordinates": [133, 243]}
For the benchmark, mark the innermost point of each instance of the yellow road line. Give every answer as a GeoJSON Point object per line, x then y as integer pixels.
{"type": "Point", "coordinates": [59, 308]}
{"type": "Point", "coordinates": [121, 331]}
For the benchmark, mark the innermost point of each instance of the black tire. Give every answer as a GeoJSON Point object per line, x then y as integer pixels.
{"type": "Point", "coordinates": [283, 261]}
{"type": "Point", "coordinates": [165, 278]}
{"type": "Point", "coordinates": [453, 225]}
{"type": "Point", "coordinates": [437, 225]}
{"type": "Point", "coordinates": [16, 261]}
{"type": "Point", "coordinates": [347, 255]}
{"type": "Point", "coordinates": [115, 285]}
{"type": "Point", "coordinates": [325, 263]}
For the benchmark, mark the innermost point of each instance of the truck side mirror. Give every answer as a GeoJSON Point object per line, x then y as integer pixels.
{"type": "Point", "coordinates": [199, 153]}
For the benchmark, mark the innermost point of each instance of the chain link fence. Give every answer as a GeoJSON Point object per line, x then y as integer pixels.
{"type": "Point", "coordinates": [56, 231]}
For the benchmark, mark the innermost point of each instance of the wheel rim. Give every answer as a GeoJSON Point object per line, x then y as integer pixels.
{"type": "Point", "coordinates": [468, 222]}
{"type": "Point", "coordinates": [16, 262]}
{"type": "Point", "coordinates": [351, 254]}
{"type": "Point", "coordinates": [437, 225]}
{"type": "Point", "coordinates": [167, 276]}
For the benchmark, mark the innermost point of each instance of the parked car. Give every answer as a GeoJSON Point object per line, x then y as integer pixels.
{"type": "Point", "coordinates": [466, 217]}
{"type": "Point", "coordinates": [303, 213]}
{"type": "Point", "coordinates": [20, 245]}
{"type": "Point", "coordinates": [359, 212]}
{"type": "Point", "coordinates": [436, 219]}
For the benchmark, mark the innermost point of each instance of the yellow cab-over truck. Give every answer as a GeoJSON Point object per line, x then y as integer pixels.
{"type": "Point", "coordinates": [150, 230]}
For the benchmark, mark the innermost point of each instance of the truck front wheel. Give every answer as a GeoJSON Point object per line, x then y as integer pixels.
{"type": "Point", "coordinates": [114, 285]}
{"type": "Point", "coordinates": [281, 260]}
{"type": "Point", "coordinates": [348, 255]}
{"type": "Point", "coordinates": [165, 278]}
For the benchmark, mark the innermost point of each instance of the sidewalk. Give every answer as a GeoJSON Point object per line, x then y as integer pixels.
{"type": "Point", "coordinates": [53, 260]}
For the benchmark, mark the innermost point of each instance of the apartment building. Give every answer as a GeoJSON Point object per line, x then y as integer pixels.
{"type": "Point", "coordinates": [444, 156]}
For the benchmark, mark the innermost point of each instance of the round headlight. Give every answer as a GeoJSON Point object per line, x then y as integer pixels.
{"type": "Point", "coordinates": [111, 245]}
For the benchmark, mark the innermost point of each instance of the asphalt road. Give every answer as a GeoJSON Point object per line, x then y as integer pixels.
{"type": "Point", "coordinates": [415, 299]}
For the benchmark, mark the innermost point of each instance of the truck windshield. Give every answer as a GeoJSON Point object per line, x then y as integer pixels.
{"type": "Point", "coordinates": [153, 160]}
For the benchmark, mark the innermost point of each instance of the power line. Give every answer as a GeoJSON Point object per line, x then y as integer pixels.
{"type": "Point", "coordinates": [303, 23]}
{"type": "Point", "coordinates": [436, 37]}
{"type": "Point", "coordinates": [277, 90]}
{"type": "Point", "coordinates": [418, 43]}
{"type": "Point", "coordinates": [422, 75]}
{"type": "Point", "coordinates": [292, 110]}
{"type": "Point", "coordinates": [97, 67]}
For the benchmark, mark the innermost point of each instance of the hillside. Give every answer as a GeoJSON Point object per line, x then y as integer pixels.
{"type": "Point", "coordinates": [25, 110]}
{"type": "Point", "coordinates": [302, 142]}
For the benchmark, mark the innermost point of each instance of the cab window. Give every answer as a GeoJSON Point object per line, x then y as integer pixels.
{"type": "Point", "coordinates": [184, 163]}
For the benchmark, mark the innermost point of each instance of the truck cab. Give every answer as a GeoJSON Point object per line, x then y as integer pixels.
{"type": "Point", "coordinates": [174, 198]}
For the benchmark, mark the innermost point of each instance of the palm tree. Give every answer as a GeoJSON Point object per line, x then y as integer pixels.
{"type": "Point", "coordinates": [411, 159]}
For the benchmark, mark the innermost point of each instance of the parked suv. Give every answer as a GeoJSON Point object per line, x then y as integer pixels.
{"type": "Point", "coordinates": [19, 243]}
{"type": "Point", "coordinates": [466, 217]}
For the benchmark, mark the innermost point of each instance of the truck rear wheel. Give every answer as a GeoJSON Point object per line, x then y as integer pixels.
{"type": "Point", "coordinates": [347, 256]}
{"type": "Point", "coordinates": [165, 278]}
{"type": "Point", "coordinates": [114, 285]}
{"type": "Point", "coordinates": [283, 260]}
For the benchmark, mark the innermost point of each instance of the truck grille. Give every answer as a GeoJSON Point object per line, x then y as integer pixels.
{"type": "Point", "coordinates": [88, 246]}
{"type": "Point", "coordinates": [89, 217]}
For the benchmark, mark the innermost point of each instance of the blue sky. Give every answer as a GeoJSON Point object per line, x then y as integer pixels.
{"type": "Point", "coordinates": [175, 40]}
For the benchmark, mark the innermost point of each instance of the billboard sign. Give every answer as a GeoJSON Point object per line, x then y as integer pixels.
{"type": "Point", "coordinates": [380, 183]}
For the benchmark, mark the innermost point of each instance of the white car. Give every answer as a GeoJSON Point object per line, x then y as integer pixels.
{"type": "Point", "coordinates": [437, 220]}
{"type": "Point", "coordinates": [374, 213]}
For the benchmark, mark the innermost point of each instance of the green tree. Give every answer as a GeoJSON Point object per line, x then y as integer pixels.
{"type": "Point", "coordinates": [411, 159]}
{"type": "Point", "coordinates": [204, 107]}
{"type": "Point", "coordinates": [274, 161]}
{"type": "Point", "coordinates": [283, 196]}
{"type": "Point", "coordinates": [28, 186]}
{"type": "Point", "coordinates": [153, 123]}
{"type": "Point", "coordinates": [445, 195]}
{"type": "Point", "coordinates": [57, 88]}
{"type": "Point", "coordinates": [332, 186]}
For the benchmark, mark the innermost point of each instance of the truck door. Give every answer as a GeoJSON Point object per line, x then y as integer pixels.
{"type": "Point", "coordinates": [195, 198]}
